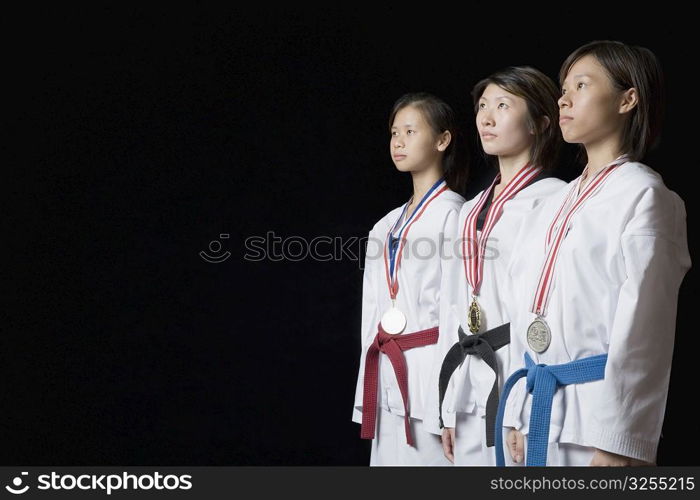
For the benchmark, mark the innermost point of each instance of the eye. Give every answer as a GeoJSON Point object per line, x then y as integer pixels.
{"type": "Point", "coordinates": [580, 85]}
{"type": "Point", "coordinates": [563, 91]}
{"type": "Point", "coordinates": [482, 105]}
{"type": "Point", "coordinates": [502, 105]}
{"type": "Point", "coordinates": [394, 133]}
{"type": "Point", "coordinates": [410, 131]}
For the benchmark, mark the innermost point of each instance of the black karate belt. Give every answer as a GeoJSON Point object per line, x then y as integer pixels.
{"type": "Point", "coordinates": [483, 345]}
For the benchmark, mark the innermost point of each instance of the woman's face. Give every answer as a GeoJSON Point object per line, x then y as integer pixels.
{"type": "Point", "coordinates": [501, 120]}
{"type": "Point", "coordinates": [413, 144]}
{"type": "Point", "coordinates": [589, 108]}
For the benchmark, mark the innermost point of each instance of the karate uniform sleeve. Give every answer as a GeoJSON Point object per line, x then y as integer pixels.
{"type": "Point", "coordinates": [514, 300]}
{"type": "Point", "coordinates": [370, 312]}
{"type": "Point", "coordinates": [629, 408]}
{"type": "Point", "coordinates": [450, 275]}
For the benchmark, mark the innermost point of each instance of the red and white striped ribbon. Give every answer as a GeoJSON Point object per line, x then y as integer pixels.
{"type": "Point", "coordinates": [558, 229]}
{"type": "Point", "coordinates": [473, 245]}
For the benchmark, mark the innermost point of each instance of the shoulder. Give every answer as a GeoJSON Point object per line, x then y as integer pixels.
{"type": "Point", "coordinates": [640, 184]}
{"type": "Point", "coordinates": [542, 189]}
{"type": "Point", "coordinates": [445, 204]}
{"type": "Point", "coordinates": [537, 194]}
{"type": "Point", "coordinates": [383, 225]}
{"type": "Point", "coordinates": [638, 175]}
{"type": "Point", "coordinates": [650, 206]}
{"type": "Point", "coordinates": [450, 200]}
{"type": "Point", "coordinates": [545, 186]}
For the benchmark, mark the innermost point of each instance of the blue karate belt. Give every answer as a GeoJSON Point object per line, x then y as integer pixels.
{"type": "Point", "coordinates": [542, 382]}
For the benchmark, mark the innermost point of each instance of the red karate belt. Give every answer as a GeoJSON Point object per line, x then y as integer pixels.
{"type": "Point", "coordinates": [393, 346]}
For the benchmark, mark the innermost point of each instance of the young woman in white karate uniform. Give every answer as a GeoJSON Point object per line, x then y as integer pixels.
{"type": "Point", "coordinates": [596, 279]}
{"type": "Point", "coordinates": [516, 115]}
{"type": "Point", "coordinates": [401, 287]}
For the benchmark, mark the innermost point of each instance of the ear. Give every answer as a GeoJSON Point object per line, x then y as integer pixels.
{"type": "Point", "coordinates": [444, 140]}
{"type": "Point", "coordinates": [629, 100]}
{"type": "Point", "coordinates": [543, 125]}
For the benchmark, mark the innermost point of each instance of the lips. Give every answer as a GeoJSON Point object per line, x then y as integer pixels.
{"type": "Point", "coordinates": [399, 157]}
{"type": "Point", "coordinates": [565, 119]}
{"type": "Point", "coordinates": [488, 135]}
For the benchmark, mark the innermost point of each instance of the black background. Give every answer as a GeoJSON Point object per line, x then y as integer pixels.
{"type": "Point", "coordinates": [152, 133]}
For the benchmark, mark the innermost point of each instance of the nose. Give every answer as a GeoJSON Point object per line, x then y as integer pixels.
{"type": "Point", "coordinates": [564, 101]}
{"type": "Point", "coordinates": [486, 119]}
{"type": "Point", "coordinates": [397, 142]}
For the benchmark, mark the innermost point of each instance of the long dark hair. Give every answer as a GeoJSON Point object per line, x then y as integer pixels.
{"type": "Point", "coordinates": [628, 67]}
{"type": "Point", "coordinates": [541, 95]}
{"type": "Point", "coordinates": [441, 118]}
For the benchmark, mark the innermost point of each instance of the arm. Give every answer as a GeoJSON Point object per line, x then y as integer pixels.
{"type": "Point", "coordinates": [629, 409]}
{"type": "Point", "coordinates": [370, 312]}
{"type": "Point", "coordinates": [450, 275]}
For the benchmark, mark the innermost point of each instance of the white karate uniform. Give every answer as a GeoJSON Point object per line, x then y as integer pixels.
{"type": "Point", "coordinates": [464, 406]}
{"type": "Point", "coordinates": [419, 277]}
{"type": "Point", "coordinates": [615, 291]}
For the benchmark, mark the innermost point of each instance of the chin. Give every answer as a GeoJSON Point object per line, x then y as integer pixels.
{"type": "Point", "coordinates": [492, 149]}
{"type": "Point", "coordinates": [570, 137]}
{"type": "Point", "coordinates": [402, 168]}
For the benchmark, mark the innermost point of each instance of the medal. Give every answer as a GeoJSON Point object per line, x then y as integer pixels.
{"type": "Point", "coordinates": [393, 320]}
{"type": "Point", "coordinates": [474, 317]}
{"type": "Point", "coordinates": [474, 243]}
{"type": "Point", "coordinates": [538, 335]}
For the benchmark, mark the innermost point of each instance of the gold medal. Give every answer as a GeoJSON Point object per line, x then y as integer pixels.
{"type": "Point", "coordinates": [474, 317]}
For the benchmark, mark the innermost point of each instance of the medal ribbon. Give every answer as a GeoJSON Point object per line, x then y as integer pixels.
{"type": "Point", "coordinates": [392, 253]}
{"type": "Point", "coordinates": [559, 228]}
{"type": "Point", "coordinates": [473, 256]}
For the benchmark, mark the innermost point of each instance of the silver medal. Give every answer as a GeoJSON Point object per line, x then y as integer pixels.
{"type": "Point", "coordinates": [393, 321]}
{"type": "Point", "coordinates": [538, 335]}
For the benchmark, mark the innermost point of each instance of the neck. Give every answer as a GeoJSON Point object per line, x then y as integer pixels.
{"type": "Point", "coordinates": [423, 181]}
{"type": "Point", "coordinates": [508, 166]}
{"type": "Point", "coordinates": [601, 153]}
